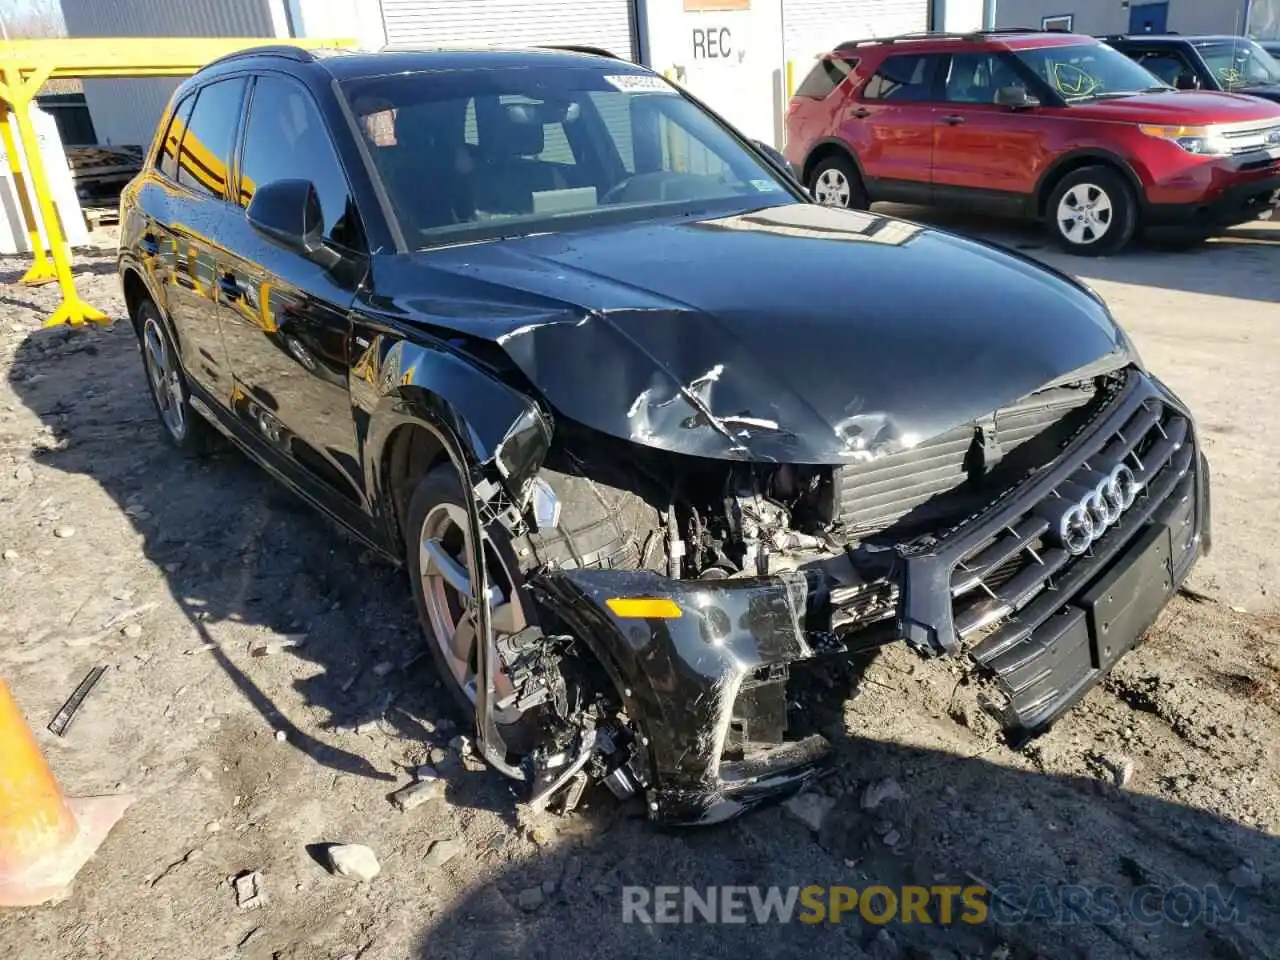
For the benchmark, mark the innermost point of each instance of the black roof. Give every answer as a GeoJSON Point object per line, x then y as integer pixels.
{"type": "Point", "coordinates": [353, 64]}
{"type": "Point", "coordinates": [1173, 39]}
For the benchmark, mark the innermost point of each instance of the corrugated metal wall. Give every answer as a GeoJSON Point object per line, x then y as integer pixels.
{"type": "Point", "coordinates": [126, 111]}
{"type": "Point", "coordinates": [601, 23]}
{"type": "Point", "coordinates": [812, 27]}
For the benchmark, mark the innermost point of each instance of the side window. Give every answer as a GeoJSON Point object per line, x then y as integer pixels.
{"type": "Point", "coordinates": [975, 77]}
{"type": "Point", "coordinates": [825, 77]}
{"type": "Point", "coordinates": [206, 147]}
{"type": "Point", "coordinates": [904, 77]}
{"type": "Point", "coordinates": [1166, 65]}
{"type": "Point", "coordinates": [286, 138]}
{"type": "Point", "coordinates": [167, 159]}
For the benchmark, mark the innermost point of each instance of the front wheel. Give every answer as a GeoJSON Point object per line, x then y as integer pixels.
{"type": "Point", "coordinates": [438, 549]}
{"type": "Point", "coordinates": [835, 182]}
{"type": "Point", "coordinates": [1092, 212]}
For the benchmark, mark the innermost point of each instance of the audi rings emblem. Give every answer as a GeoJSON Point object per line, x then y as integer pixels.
{"type": "Point", "coordinates": [1098, 508]}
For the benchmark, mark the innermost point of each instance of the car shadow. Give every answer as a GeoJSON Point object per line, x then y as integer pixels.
{"type": "Point", "coordinates": [256, 572]}
{"type": "Point", "coordinates": [1072, 867]}
{"type": "Point", "coordinates": [1213, 267]}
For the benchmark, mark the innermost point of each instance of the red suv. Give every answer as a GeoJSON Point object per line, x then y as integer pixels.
{"type": "Point", "coordinates": [1041, 125]}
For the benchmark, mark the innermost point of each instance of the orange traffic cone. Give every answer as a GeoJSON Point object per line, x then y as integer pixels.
{"type": "Point", "coordinates": [44, 838]}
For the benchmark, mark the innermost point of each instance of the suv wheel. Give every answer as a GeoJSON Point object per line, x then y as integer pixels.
{"type": "Point", "coordinates": [1092, 212]}
{"type": "Point", "coordinates": [835, 182]}
{"type": "Point", "coordinates": [438, 536]}
{"type": "Point", "coordinates": [185, 429]}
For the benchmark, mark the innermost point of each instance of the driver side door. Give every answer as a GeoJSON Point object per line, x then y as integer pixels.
{"type": "Point", "coordinates": [984, 153]}
{"type": "Point", "coordinates": [285, 318]}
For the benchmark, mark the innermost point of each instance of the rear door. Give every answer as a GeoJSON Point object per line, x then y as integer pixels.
{"type": "Point", "coordinates": [196, 210]}
{"type": "Point", "coordinates": [983, 152]}
{"type": "Point", "coordinates": [888, 124]}
{"type": "Point", "coordinates": [286, 318]}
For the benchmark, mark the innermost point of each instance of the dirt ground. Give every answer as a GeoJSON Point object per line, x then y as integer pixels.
{"type": "Point", "coordinates": [265, 693]}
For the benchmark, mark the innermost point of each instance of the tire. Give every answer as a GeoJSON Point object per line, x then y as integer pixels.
{"type": "Point", "coordinates": [187, 431]}
{"type": "Point", "coordinates": [1092, 212]}
{"type": "Point", "coordinates": [837, 179]}
{"type": "Point", "coordinates": [599, 525]}
{"type": "Point", "coordinates": [437, 511]}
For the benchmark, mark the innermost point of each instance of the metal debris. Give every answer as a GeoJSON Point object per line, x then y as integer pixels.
{"type": "Point", "coordinates": [62, 719]}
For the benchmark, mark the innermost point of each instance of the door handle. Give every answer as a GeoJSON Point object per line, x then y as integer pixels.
{"type": "Point", "coordinates": [229, 286]}
{"type": "Point", "coordinates": [953, 120]}
{"type": "Point", "coordinates": [149, 244]}
{"type": "Point", "coordinates": [859, 113]}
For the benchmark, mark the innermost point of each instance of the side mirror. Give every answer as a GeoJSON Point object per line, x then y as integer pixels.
{"type": "Point", "coordinates": [288, 211]}
{"type": "Point", "coordinates": [1188, 81]}
{"type": "Point", "coordinates": [776, 155]}
{"type": "Point", "coordinates": [1015, 98]}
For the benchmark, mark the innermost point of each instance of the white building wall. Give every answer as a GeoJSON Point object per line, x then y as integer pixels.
{"type": "Point", "coordinates": [730, 59]}
{"type": "Point", "coordinates": [127, 111]}
{"type": "Point", "coordinates": [359, 19]}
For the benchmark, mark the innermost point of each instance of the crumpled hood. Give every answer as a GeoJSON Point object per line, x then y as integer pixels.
{"type": "Point", "coordinates": [794, 333]}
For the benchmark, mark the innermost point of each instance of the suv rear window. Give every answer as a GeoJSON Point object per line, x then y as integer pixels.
{"type": "Point", "coordinates": [828, 74]}
{"type": "Point", "coordinates": [904, 77]}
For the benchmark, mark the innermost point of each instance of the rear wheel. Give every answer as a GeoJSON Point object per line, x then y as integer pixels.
{"type": "Point", "coordinates": [835, 182]}
{"type": "Point", "coordinates": [1092, 212]}
{"type": "Point", "coordinates": [184, 428]}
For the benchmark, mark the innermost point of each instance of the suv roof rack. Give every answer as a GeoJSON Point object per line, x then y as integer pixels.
{"type": "Point", "coordinates": [286, 50]}
{"type": "Point", "coordinates": [581, 48]}
{"type": "Point", "coordinates": [972, 35]}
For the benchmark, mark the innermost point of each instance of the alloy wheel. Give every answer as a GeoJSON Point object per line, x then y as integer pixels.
{"type": "Point", "coordinates": [1085, 214]}
{"type": "Point", "coordinates": [444, 548]}
{"type": "Point", "coordinates": [165, 379]}
{"type": "Point", "coordinates": [832, 188]}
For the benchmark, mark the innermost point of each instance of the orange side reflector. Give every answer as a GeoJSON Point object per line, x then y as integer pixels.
{"type": "Point", "coordinates": [644, 608]}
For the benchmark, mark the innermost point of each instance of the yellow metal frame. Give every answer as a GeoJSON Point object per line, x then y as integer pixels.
{"type": "Point", "coordinates": [25, 65]}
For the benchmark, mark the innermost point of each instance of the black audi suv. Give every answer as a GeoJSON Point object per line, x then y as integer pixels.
{"type": "Point", "coordinates": [644, 425]}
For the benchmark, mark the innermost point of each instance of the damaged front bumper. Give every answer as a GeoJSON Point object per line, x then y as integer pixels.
{"type": "Point", "coordinates": [704, 673]}
{"type": "Point", "coordinates": [705, 681]}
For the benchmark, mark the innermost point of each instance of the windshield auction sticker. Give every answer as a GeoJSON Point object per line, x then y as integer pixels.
{"type": "Point", "coordinates": [639, 83]}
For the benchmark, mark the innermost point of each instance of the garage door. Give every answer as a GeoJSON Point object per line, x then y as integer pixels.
{"type": "Point", "coordinates": [598, 23]}
{"type": "Point", "coordinates": [812, 27]}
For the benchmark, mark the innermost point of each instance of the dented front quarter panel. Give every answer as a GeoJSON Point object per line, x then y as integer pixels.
{"type": "Point", "coordinates": [681, 677]}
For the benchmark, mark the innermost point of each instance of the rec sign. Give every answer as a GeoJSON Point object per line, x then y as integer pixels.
{"type": "Point", "coordinates": [712, 43]}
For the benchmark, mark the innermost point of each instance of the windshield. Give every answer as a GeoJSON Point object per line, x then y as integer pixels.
{"type": "Point", "coordinates": [1240, 63]}
{"type": "Point", "coordinates": [1087, 71]}
{"type": "Point", "coordinates": [476, 154]}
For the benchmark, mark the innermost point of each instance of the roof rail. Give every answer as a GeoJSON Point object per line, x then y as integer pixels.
{"type": "Point", "coordinates": [898, 38]}
{"type": "Point", "coordinates": [941, 35]}
{"type": "Point", "coordinates": [581, 48]}
{"type": "Point", "coordinates": [286, 50]}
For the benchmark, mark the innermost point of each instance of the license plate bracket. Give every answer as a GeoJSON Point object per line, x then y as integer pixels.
{"type": "Point", "coordinates": [1127, 600]}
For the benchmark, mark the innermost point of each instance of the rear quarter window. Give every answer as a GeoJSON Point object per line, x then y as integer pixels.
{"type": "Point", "coordinates": [828, 74]}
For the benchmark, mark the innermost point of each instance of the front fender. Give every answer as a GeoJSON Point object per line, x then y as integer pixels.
{"type": "Point", "coordinates": [478, 419]}
{"type": "Point", "coordinates": [496, 437]}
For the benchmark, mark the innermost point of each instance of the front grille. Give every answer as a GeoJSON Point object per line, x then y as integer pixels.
{"type": "Point", "coordinates": [871, 496]}
{"type": "Point", "coordinates": [1244, 142]}
{"type": "Point", "coordinates": [1008, 585]}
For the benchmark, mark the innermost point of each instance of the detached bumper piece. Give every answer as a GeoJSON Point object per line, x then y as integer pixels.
{"type": "Point", "coordinates": [705, 683]}
{"type": "Point", "coordinates": [1047, 619]}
